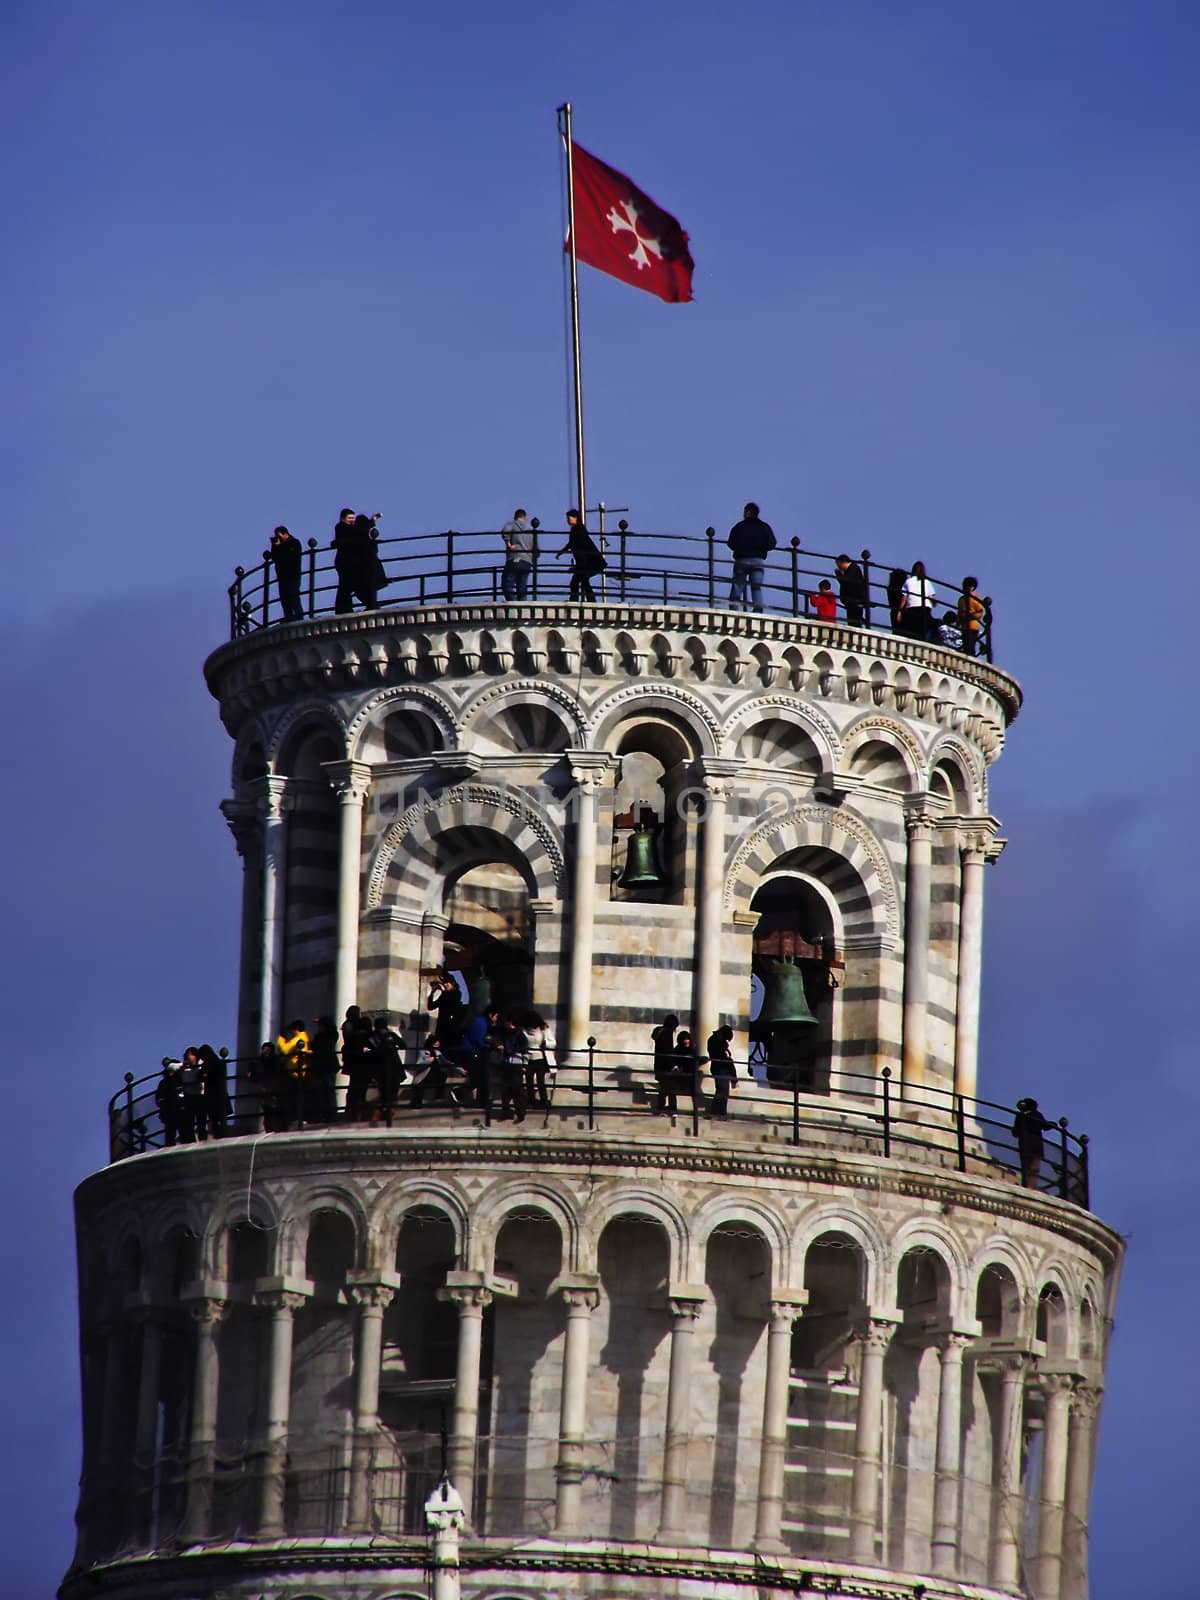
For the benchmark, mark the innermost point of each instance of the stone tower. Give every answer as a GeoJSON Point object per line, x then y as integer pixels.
{"type": "Point", "coordinates": [845, 1339]}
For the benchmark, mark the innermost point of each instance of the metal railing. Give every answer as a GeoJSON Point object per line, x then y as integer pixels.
{"type": "Point", "coordinates": [873, 1114]}
{"type": "Point", "coordinates": [452, 568]}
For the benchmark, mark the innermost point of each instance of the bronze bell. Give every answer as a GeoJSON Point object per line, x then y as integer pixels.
{"type": "Point", "coordinates": [641, 866]}
{"type": "Point", "coordinates": [784, 999]}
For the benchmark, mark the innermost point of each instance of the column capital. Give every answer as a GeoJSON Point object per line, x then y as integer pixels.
{"type": "Point", "coordinates": [875, 1332]}
{"type": "Point", "coordinates": [588, 768]}
{"type": "Point", "coordinates": [951, 1340]}
{"type": "Point", "coordinates": [466, 1289]}
{"type": "Point", "coordinates": [1085, 1400]}
{"type": "Point", "coordinates": [271, 797]}
{"type": "Point", "coordinates": [685, 1301]}
{"type": "Point", "coordinates": [207, 1311]}
{"type": "Point", "coordinates": [242, 817]}
{"type": "Point", "coordinates": [372, 1288]}
{"type": "Point", "coordinates": [784, 1307]}
{"type": "Point", "coordinates": [280, 1300]}
{"type": "Point", "coordinates": [1052, 1383]}
{"type": "Point", "coordinates": [922, 813]}
{"type": "Point", "coordinates": [349, 780]}
{"type": "Point", "coordinates": [578, 1289]}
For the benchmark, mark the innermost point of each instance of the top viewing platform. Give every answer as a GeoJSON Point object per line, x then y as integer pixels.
{"type": "Point", "coordinates": [639, 569]}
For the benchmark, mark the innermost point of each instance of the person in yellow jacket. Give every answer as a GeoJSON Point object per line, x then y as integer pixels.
{"type": "Point", "coordinates": [970, 615]}
{"type": "Point", "coordinates": [294, 1048]}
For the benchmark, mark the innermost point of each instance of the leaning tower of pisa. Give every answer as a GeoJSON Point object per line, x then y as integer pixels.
{"type": "Point", "coordinates": [845, 1338]}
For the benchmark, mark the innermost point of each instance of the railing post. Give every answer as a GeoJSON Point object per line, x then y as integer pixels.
{"type": "Point", "coordinates": [987, 621]}
{"type": "Point", "coordinates": [312, 577]}
{"type": "Point", "coordinates": [795, 1103]}
{"type": "Point", "coordinates": [449, 565]}
{"type": "Point", "coordinates": [623, 529]}
{"type": "Point", "coordinates": [235, 597]}
{"type": "Point", "coordinates": [795, 576]}
{"type": "Point", "coordinates": [1084, 1177]}
{"type": "Point", "coordinates": [247, 613]}
{"type": "Point", "coordinates": [129, 1113]}
{"type": "Point", "coordinates": [1064, 1176]}
{"type": "Point", "coordinates": [697, 1080]}
{"type": "Point", "coordinates": [866, 566]}
{"type": "Point", "coordinates": [591, 1080]}
{"type": "Point", "coordinates": [266, 600]}
{"type": "Point", "coordinates": [711, 535]}
{"type": "Point", "coordinates": [887, 1111]}
{"type": "Point", "coordinates": [535, 524]}
{"type": "Point", "coordinates": [960, 1128]}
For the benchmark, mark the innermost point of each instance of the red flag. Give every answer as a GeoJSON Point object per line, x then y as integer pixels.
{"type": "Point", "coordinates": [620, 230]}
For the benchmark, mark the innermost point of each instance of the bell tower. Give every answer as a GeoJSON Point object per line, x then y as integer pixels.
{"type": "Point", "coordinates": [836, 1327]}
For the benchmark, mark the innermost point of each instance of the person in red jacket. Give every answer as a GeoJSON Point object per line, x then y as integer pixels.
{"type": "Point", "coordinates": [824, 602]}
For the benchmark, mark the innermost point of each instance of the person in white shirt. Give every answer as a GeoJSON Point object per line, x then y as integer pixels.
{"type": "Point", "coordinates": [917, 601]}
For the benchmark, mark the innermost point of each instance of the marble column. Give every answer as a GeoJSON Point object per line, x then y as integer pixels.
{"type": "Point", "coordinates": [947, 1486]}
{"type": "Point", "coordinates": [685, 1305]}
{"type": "Point", "coordinates": [469, 1294]}
{"type": "Point", "coordinates": [1005, 1564]}
{"type": "Point", "coordinates": [207, 1312]}
{"type": "Point", "coordinates": [272, 807]}
{"type": "Point", "coordinates": [372, 1294]}
{"type": "Point", "coordinates": [243, 824]}
{"type": "Point", "coordinates": [785, 1308]}
{"type": "Point", "coordinates": [1085, 1406]}
{"type": "Point", "coordinates": [873, 1340]}
{"type": "Point", "coordinates": [145, 1430]}
{"type": "Point", "coordinates": [710, 890]}
{"type": "Point", "coordinates": [350, 781]}
{"type": "Point", "coordinates": [1056, 1388]}
{"type": "Point", "coordinates": [587, 770]}
{"type": "Point", "coordinates": [970, 966]}
{"type": "Point", "coordinates": [919, 826]}
{"type": "Point", "coordinates": [581, 1296]}
{"type": "Point", "coordinates": [282, 1304]}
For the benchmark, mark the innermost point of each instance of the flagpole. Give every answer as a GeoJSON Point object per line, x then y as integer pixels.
{"type": "Point", "coordinates": [564, 127]}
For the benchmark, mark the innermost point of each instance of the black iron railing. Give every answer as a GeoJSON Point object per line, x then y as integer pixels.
{"type": "Point", "coordinates": [846, 1110]}
{"type": "Point", "coordinates": [435, 569]}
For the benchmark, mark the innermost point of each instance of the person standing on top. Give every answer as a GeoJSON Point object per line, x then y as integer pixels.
{"type": "Point", "coordinates": [917, 603]}
{"type": "Point", "coordinates": [355, 561]}
{"type": "Point", "coordinates": [168, 1097]}
{"type": "Point", "coordinates": [750, 541]}
{"type": "Point", "coordinates": [518, 539]}
{"type": "Point", "coordinates": [853, 589]}
{"type": "Point", "coordinates": [970, 615]}
{"type": "Point", "coordinates": [216, 1090]}
{"type": "Point", "coordinates": [286, 556]}
{"type": "Point", "coordinates": [720, 1064]}
{"type": "Point", "coordinates": [824, 602]}
{"type": "Point", "coordinates": [586, 560]}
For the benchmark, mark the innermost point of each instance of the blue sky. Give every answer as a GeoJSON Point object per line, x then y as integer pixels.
{"type": "Point", "coordinates": [268, 258]}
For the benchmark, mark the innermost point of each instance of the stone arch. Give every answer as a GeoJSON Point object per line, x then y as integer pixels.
{"type": "Point", "coordinates": [783, 708]}
{"type": "Point", "coordinates": [925, 1233]}
{"type": "Point", "coordinates": [834, 846]}
{"type": "Point", "coordinates": [886, 731]}
{"type": "Point", "coordinates": [676, 706]}
{"type": "Point", "coordinates": [305, 1202]}
{"type": "Point", "coordinates": [827, 1219]}
{"type": "Point", "coordinates": [256, 1208]}
{"type": "Point", "coordinates": [526, 715]}
{"type": "Point", "coordinates": [1054, 1323]}
{"type": "Point", "coordinates": [409, 1194]}
{"type": "Point", "coordinates": [491, 824]}
{"type": "Point", "coordinates": [373, 713]}
{"type": "Point", "coordinates": [1004, 1252]}
{"type": "Point", "coordinates": [249, 755]}
{"type": "Point", "coordinates": [178, 1214]}
{"type": "Point", "coordinates": [727, 1210]}
{"type": "Point", "coordinates": [1003, 1285]}
{"type": "Point", "coordinates": [634, 1201]}
{"type": "Point", "coordinates": [956, 754]}
{"type": "Point", "coordinates": [321, 715]}
{"type": "Point", "coordinates": [498, 1205]}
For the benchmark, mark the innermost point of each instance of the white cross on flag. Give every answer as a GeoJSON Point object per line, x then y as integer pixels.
{"type": "Point", "coordinates": [620, 230]}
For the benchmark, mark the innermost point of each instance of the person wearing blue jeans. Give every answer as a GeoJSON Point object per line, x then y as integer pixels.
{"type": "Point", "coordinates": [750, 543]}
{"type": "Point", "coordinates": [518, 559]}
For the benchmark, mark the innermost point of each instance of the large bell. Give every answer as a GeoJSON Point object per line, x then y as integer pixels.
{"type": "Point", "coordinates": [784, 999]}
{"type": "Point", "coordinates": [641, 866]}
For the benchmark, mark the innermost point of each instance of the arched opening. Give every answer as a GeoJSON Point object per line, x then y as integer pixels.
{"type": "Point", "coordinates": [628, 1378]}
{"type": "Point", "coordinates": [322, 1385]}
{"type": "Point", "coordinates": [824, 1395]}
{"type": "Point", "coordinates": [1087, 1332]}
{"type": "Point", "coordinates": [791, 993]}
{"type": "Point", "coordinates": [998, 1302]}
{"type": "Point", "coordinates": [781, 745]}
{"type": "Point", "coordinates": [165, 1497]}
{"type": "Point", "coordinates": [489, 937]}
{"type": "Point", "coordinates": [947, 782]}
{"type": "Point", "coordinates": [242, 1345]}
{"type": "Point", "coordinates": [420, 1347]}
{"type": "Point", "coordinates": [912, 1377]}
{"type": "Point", "coordinates": [737, 1271]}
{"type": "Point", "coordinates": [522, 1367]}
{"type": "Point", "coordinates": [650, 844]}
{"type": "Point", "coordinates": [880, 764]}
{"type": "Point", "coordinates": [1052, 1321]}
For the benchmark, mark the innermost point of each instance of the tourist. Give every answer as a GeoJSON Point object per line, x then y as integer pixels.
{"type": "Point", "coordinates": [514, 1065]}
{"type": "Point", "coordinates": [293, 1048]}
{"type": "Point", "coordinates": [917, 603]}
{"type": "Point", "coordinates": [168, 1097]}
{"type": "Point", "coordinates": [971, 613]}
{"type": "Point", "coordinates": [387, 1052]}
{"type": "Point", "coordinates": [518, 539]}
{"type": "Point", "coordinates": [286, 557]}
{"type": "Point", "coordinates": [947, 631]}
{"type": "Point", "coordinates": [1029, 1124]}
{"type": "Point", "coordinates": [824, 602]}
{"type": "Point", "coordinates": [323, 1071]}
{"type": "Point", "coordinates": [689, 1069]}
{"type": "Point", "coordinates": [586, 560]}
{"type": "Point", "coordinates": [663, 1039]}
{"type": "Point", "coordinates": [750, 541]}
{"type": "Point", "coordinates": [897, 578]}
{"type": "Point", "coordinates": [721, 1065]}
{"type": "Point", "coordinates": [269, 1078]}
{"type": "Point", "coordinates": [216, 1090]}
{"type": "Point", "coordinates": [358, 1062]}
{"type": "Point", "coordinates": [853, 588]}
{"type": "Point", "coordinates": [356, 561]}
{"type": "Point", "coordinates": [540, 1042]}
{"type": "Point", "coordinates": [192, 1123]}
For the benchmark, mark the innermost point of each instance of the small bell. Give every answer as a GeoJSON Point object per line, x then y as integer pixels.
{"type": "Point", "coordinates": [784, 999]}
{"type": "Point", "coordinates": [641, 867]}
